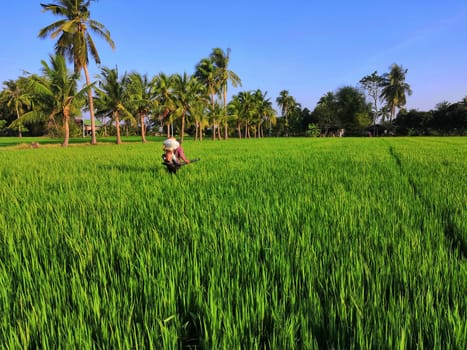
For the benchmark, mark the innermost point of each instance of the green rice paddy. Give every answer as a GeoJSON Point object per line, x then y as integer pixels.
{"type": "Point", "coordinates": [291, 243]}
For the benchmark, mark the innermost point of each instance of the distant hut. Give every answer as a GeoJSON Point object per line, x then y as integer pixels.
{"type": "Point", "coordinates": [85, 125]}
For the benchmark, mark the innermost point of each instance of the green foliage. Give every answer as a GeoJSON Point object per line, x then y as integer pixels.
{"type": "Point", "coordinates": [313, 130]}
{"type": "Point", "coordinates": [291, 243]}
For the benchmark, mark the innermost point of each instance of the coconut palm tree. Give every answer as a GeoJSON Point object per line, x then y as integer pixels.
{"type": "Point", "coordinates": [188, 93]}
{"type": "Point", "coordinates": [247, 110]}
{"type": "Point", "coordinates": [74, 39]}
{"type": "Point", "coordinates": [287, 104]}
{"type": "Point", "coordinates": [199, 116]}
{"type": "Point", "coordinates": [234, 108]}
{"type": "Point", "coordinates": [395, 89]}
{"type": "Point", "coordinates": [112, 99]}
{"type": "Point", "coordinates": [57, 89]}
{"type": "Point", "coordinates": [142, 99]}
{"type": "Point", "coordinates": [223, 75]}
{"type": "Point", "coordinates": [164, 99]}
{"type": "Point", "coordinates": [265, 112]}
{"type": "Point", "coordinates": [205, 72]}
{"type": "Point", "coordinates": [16, 96]}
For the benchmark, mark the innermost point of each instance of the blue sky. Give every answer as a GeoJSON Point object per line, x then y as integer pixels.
{"type": "Point", "coordinates": [303, 46]}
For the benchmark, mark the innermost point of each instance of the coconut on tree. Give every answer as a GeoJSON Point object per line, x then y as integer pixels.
{"type": "Point", "coordinates": [74, 40]}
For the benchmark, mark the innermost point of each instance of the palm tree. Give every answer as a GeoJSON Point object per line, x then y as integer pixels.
{"type": "Point", "coordinates": [287, 104]}
{"type": "Point", "coordinates": [112, 99]}
{"type": "Point", "coordinates": [198, 114]}
{"type": "Point", "coordinates": [74, 40]}
{"type": "Point", "coordinates": [205, 72]}
{"type": "Point", "coordinates": [223, 75]}
{"type": "Point", "coordinates": [58, 87]}
{"type": "Point", "coordinates": [395, 89]}
{"type": "Point", "coordinates": [265, 111]}
{"type": "Point", "coordinates": [142, 99]}
{"type": "Point", "coordinates": [17, 98]}
{"type": "Point", "coordinates": [164, 98]}
{"type": "Point", "coordinates": [247, 110]}
{"type": "Point", "coordinates": [188, 92]}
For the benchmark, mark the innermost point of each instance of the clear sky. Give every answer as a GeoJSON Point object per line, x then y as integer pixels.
{"type": "Point", "coordinates": [308, 47]}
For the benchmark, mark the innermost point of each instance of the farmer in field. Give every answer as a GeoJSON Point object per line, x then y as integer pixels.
{"type": "Point", "coordinates": [173, 151]}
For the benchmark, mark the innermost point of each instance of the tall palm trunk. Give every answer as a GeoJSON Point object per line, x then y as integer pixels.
{"type": "Point", "coordinates": [182, 131]}
{"type": "Point", "coordinates": [66, 127]}
{"type": "Point", "coordinates": [117, 126]}
{"type": "Point", "coordinates": [226, 131]}
{"type": "Point", "coordinates": [143, 128]}
{"type": "Point", "coordinates": [91, 106]}
{"type": "Point", "coordinates": [19, 126]}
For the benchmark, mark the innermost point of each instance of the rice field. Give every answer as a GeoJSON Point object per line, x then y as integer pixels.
{"type": "Point", "coordinates": [309, 243]}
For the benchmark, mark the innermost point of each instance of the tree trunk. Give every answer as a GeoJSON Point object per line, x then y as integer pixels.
{"type": "Point", "coordinates": [19, 126]}
{"type": "Point", "coordinates": [91, 106]}
{"type": "Point", "coordinates": [226, 132]}
{"type": "Point", "coordinates": [66, 128]}
{"type": "Point", "coordinates": [117, 125]}
{"type": "Point", "coordinates": [143, 129]}
{"type": "Point", "coordinates": [183, 126]}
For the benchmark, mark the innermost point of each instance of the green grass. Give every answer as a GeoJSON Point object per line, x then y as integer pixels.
{"type": "Point", "coordinates": [25, 142]}
{"type": "Point", "coordinates": [273, 243]}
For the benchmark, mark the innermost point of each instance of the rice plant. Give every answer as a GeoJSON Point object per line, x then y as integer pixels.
{"type": "Point", "coordinates": [263, 244]}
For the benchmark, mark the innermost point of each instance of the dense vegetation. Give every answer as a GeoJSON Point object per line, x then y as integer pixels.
{"type": "Point", "coordinates": [51, 104]}
{"type": "Point", "coordinates": [291, 243]}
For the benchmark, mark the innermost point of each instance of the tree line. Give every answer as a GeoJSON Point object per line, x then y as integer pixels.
{"type": "Point", "coordinates": [51, 103]}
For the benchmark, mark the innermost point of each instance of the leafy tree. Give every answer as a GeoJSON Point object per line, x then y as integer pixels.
{"type": "Point", "coordinates": [164, 99]}
{"type": "Point", "coordinates": [142, 99]}
{"type": "Point", "coordinates": [113, 98]}
{"type": "Point", "coordinates": [287, 104]}
{"type": "Point", "coordinates": [373, 85]}
{"type": "Point", "coordinates": [57, 91]}
{"type": "Point", "coordinates": [395, 89]}
{"type": "Point", "coordinates": [313, 130]}
{"type": "Point", "coordinates": [74, 39]}
{"type": "Point", "coordinates": [188, 93]}
{"type": "Point", "coordinates": [326, 112]}
{"type": "Point", "coordinates": [450, 119]}
{"type": "Point", "coordinates": [352, 109]}
{"type": "Point", "coordinates": [413, 122]}
{"type": "Point", "coordinates": [223, 75]}
{"type": "Point", "coordinates": [18, 99]}
{"type": "Point", "coordinates": [244, 106]}
{"type": "Point", "coordinates": [266, 112]}
{"type": "Point", "coordinates": [205, 72]}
